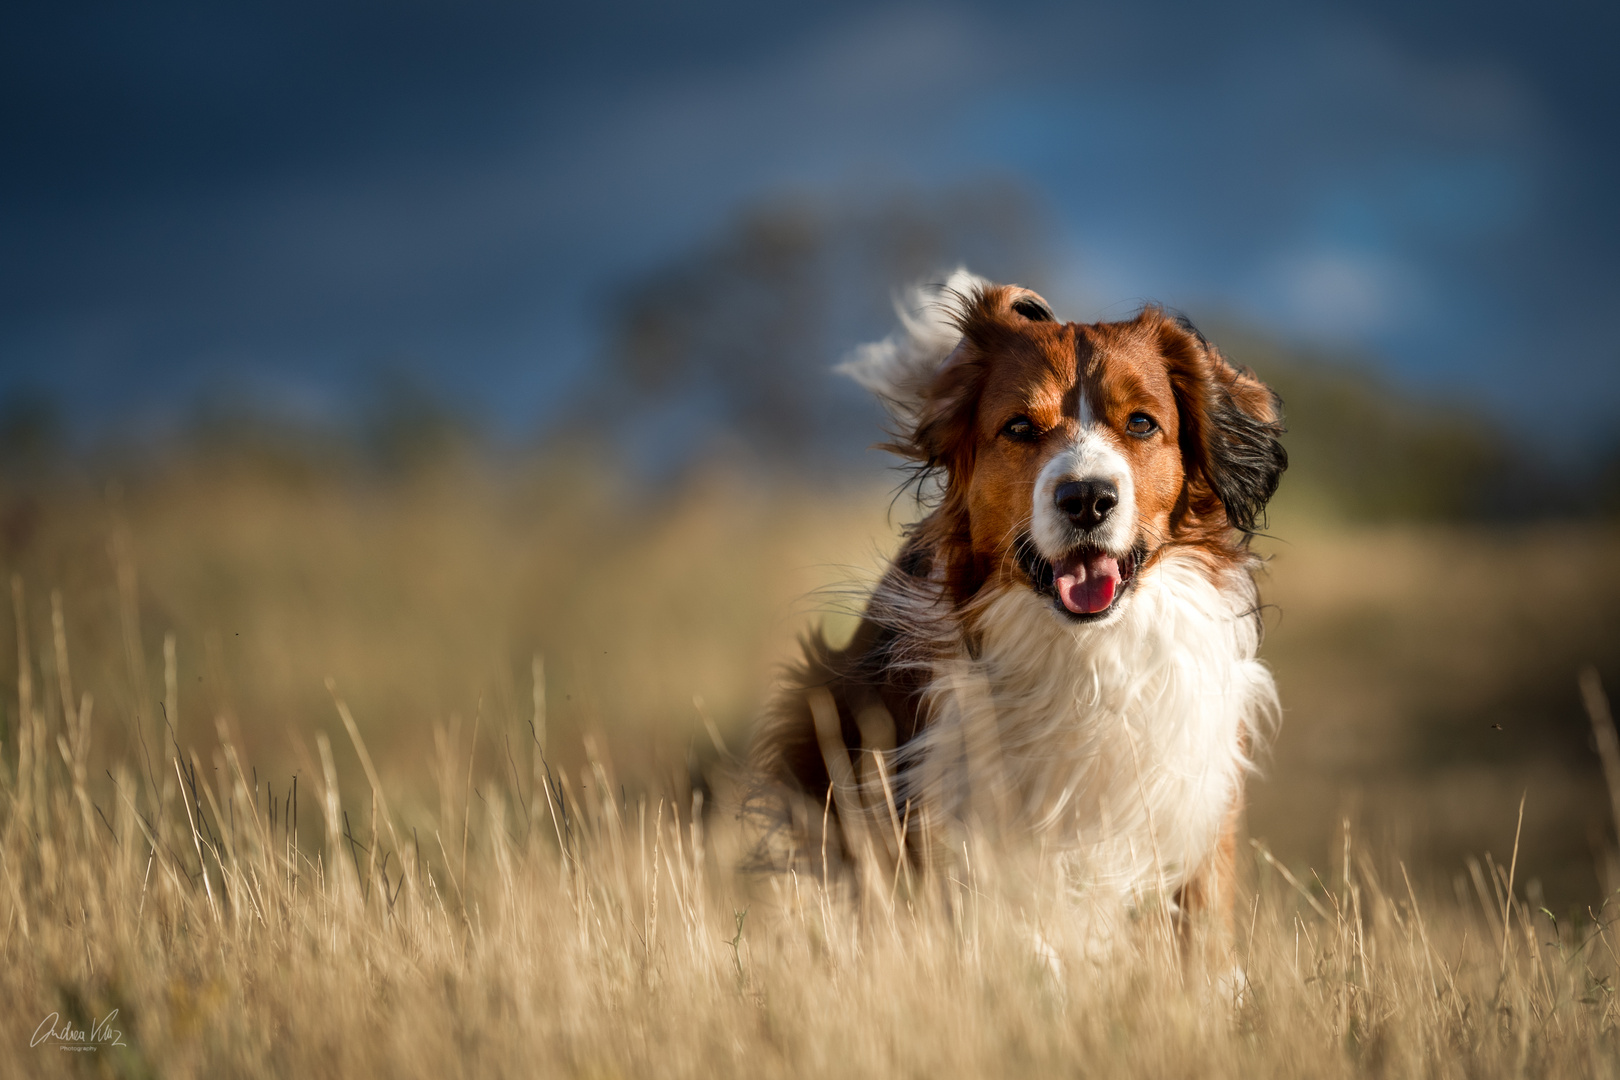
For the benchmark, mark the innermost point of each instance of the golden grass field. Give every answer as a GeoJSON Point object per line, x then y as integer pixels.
{"type": "Point", "coordinates": [189, 641]}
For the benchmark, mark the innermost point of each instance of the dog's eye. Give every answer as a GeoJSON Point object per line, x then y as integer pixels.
{"type": "Point", "coordinates": [1141, 424]}
{"type": "Point", "coordinates": [1021, 428]}
{"type": "Point", "coordinates": [1033, 310]}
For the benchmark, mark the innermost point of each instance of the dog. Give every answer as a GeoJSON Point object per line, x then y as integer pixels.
{"type": "Point", "coordinates": [1064, 647]}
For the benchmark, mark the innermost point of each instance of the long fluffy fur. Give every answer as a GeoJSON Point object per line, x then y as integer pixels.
{"type": "Point", "coordinates": [899, 368]}
{"type": "Point", "coordinates": [1122, 746]}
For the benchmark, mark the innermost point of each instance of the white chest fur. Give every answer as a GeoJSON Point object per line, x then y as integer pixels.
{"type": "Point", "coordinates": [1119, 746]}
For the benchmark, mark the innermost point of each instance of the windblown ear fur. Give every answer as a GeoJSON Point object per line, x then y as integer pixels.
{"type": "Point", "coordinates": [900, 368]}
{"type": "Point", "coordinates": [1231, 424]}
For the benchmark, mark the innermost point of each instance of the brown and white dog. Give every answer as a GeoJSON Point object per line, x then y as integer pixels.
{"type": "Point", "coordinates": [1067, 640]}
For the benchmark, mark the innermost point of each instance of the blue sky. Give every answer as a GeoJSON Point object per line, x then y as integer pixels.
{"type": "Point", "coordinates": [273, 201]}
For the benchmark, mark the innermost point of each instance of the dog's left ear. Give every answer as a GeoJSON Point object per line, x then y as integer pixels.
{"type": "Point", "coordinates": [1231, 425]}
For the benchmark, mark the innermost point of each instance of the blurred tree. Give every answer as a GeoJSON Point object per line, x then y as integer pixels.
{"type": "Point", "coordinates": [32, 447]}
{"type": "Point", "coordinates": [733, 342]}
{"type": "Point", "coordinates": [231, 425]}
{"type": "Point", "coordinates": [1606, 491]}
{"type": "Point", "coordinates": [31, 434]}
{"type": "Point", "coordinates": [411, 426]}
{"type": "Point", "coordinates": [405, 425]}
{"type": "Point", "coordinates": [1374, 452]}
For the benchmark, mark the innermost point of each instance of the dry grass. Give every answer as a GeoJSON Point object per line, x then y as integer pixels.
{"type": "Point", "coordinates": [611, 939]}
{"type": "Point", "coordinates": [450, 903]}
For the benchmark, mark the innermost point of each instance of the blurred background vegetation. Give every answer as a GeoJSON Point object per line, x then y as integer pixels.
{"type": "Point", "coordinates": [1435, 582]}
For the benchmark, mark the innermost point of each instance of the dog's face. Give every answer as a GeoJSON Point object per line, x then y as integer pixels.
{"type": "Point", "coordinates": [1074, 454]}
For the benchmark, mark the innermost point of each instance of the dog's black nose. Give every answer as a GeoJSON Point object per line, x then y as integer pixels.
{"type": "Point", "coordinates": [1087, 502]}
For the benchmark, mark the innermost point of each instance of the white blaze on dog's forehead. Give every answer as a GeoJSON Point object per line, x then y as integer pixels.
{"type": "Point", "coordinates": [1083, 409]}
{"type": "Point", "coordinates": [1087, 383]}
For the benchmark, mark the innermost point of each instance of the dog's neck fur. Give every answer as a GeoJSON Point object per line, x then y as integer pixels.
{"type": "Point", "coordinates": [1120, 746]}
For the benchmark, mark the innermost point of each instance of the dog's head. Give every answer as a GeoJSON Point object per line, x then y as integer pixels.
{"type": "Point", "coordinates": [1072, 455]}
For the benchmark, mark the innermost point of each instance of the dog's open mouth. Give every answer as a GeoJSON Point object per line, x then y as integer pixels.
{"type": "Point", "coordinates": [1085, 582]}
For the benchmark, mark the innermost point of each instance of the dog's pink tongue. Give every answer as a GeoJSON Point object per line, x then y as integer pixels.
{"type": "Point", "coordinates": [1086, 582]}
